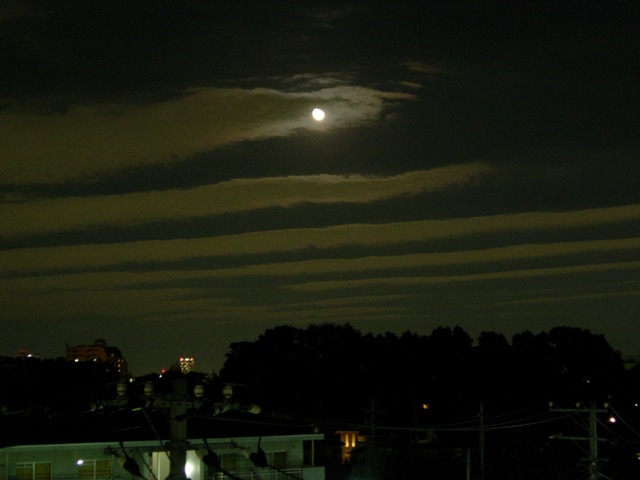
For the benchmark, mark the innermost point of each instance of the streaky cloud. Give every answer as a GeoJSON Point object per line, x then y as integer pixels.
{"type": "Point", "coordinates": [91, 140]}
{"type": "Point", "coordinates": [475, 277]}
{"type": "Point", "coordinates": [101, 255]}
{"type": "Point", "coordinates": [74, 213]}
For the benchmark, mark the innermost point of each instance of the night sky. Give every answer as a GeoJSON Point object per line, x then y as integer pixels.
{"type": "Point", "coordinates": [164, 186]}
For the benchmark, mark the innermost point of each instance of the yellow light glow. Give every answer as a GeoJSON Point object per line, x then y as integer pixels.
{"type": "Point", "coordinates": [317, 114]}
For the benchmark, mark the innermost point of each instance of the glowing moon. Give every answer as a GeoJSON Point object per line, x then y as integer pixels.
{"type": "Point", "coordinates": [317, 114]}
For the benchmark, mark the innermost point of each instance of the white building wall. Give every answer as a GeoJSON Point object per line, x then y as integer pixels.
{"type": "Point", "coordinates": [64, 458]}
{"type": "Point", "coordinates": [313, 473]}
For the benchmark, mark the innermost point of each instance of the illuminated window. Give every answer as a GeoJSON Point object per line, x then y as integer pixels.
{"type": "Point", "coordinates": [94, 469]}
{"type": "Point", "coordinates": [186, 364]}
{"type": "Point", "coordinates": [350, 440]}
{"type": "Point", "coordinates": [33, 471]}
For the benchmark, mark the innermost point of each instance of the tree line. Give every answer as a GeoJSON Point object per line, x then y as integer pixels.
{"type": "Point", "coordinates": [427, 399]}
{"type": "Point", "coordinates": [445, 405]}
{"type": "Point", "coordinates": [334, 371]}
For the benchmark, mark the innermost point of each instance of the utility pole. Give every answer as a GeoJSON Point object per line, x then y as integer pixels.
{"type": "Point", "coordinates": [481, 434]}
{"type": "Point", "coordinates": [371, 442]}
{"type": "Point", "coordinates": [593, 442]}
{"type": "Point", "coordinates": [593, 439]}
{"type": "Point", "coordinates": [179, 403]}
{"type": "Point", "coordinates": [178, 444]}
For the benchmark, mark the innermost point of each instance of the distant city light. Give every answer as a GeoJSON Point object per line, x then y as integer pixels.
{"type": "Point", "coordinates": [186, 364]}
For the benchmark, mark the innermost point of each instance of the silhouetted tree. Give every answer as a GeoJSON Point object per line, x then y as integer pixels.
{"type": "Point", "coordinates": [586, 366]}
{"type": "Point", "coordinates": [332, 372]}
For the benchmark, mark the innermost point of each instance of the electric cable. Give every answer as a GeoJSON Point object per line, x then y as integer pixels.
{"type": "Point", "coordinates": [155, 432]}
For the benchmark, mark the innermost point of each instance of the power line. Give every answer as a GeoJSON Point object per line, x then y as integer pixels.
{"type": "Point", "coordinates": [591, 411]}
{"type": "Point", "coordinates": [618, 416]}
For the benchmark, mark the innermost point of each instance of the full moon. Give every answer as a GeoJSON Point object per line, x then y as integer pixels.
{"type": "Point", "coordinates": [317, 114]}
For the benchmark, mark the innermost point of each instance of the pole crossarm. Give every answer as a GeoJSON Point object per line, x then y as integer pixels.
{"type": "Point", "coordinates": [577, 410]}
{"type": "Point", "coordinates": [593, 439]}
{"type": "Point", "coordinates": [181, 404]}
{"type": "Point", "coordinates": [578, 439]}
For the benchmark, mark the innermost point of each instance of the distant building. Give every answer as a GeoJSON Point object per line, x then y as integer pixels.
{"type": "Point", "coordinates": [350, 440]}
{"type": "Point", "coordinates": [98, 352]}
{"type": "Point", "coordinates": [186, 364]}
{"type": "Point", "coordinates": [25, 353]}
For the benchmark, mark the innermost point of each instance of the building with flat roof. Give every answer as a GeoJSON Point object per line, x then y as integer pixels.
{"type": "Point", "coordinates": [287, 456]}
{"type": "Point", "coordinates": [186, 364]}
{"type": "Point", "coordinates": [98, 352]}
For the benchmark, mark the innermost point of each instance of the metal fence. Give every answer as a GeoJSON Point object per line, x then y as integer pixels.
{"type": "Point", "coordinates": [266, 474]}
{"type": "Point", "coordinates": [263, 474]}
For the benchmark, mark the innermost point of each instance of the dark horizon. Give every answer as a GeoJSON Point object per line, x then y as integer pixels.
{"type": "Point", "coordinates": [174, 363]}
